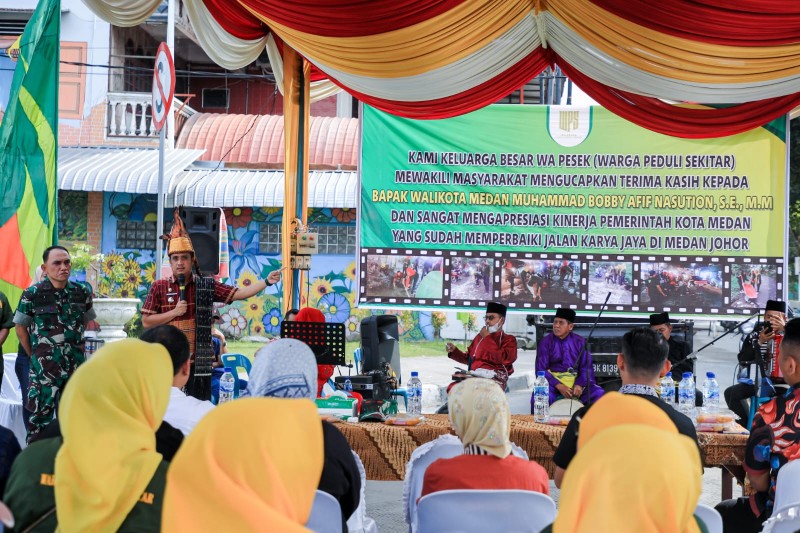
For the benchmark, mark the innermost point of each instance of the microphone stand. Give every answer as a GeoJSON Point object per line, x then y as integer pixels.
{"type": "Point", "coordinates": [589, 359]}
{"type": "Point", "coordinates": [730, 330]}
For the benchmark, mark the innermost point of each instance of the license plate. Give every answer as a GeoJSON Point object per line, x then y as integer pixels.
{"type": "Point", "coordinates": [605, 369]}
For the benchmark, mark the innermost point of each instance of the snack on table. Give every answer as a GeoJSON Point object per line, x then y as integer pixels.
{"type": "Point", "coordinates": [715, 418]}
{"type": "Point", "coordinates": [558, 420]}
{"type": "Point", "coordinates": [404, 420]}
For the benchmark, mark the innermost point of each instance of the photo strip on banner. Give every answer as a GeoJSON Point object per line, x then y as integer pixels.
{"type": "Point", "coordinates": [513, 204]}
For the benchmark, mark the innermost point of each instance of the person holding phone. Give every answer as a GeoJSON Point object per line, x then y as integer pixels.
{"type": "Point", "coordinates": [754, 350]}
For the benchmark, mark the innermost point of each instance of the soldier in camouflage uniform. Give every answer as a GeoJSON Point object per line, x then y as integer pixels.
{"type": "Point", "coordinates": [50, 321]}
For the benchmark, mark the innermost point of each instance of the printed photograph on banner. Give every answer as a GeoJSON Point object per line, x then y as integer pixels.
{"type": "Point", "coordinates": [546, 281]}
{"type": "Point", "coordinates": [680, 285]}
{"type": "Point", "coordinates": [404, 276]}
{"type": "Point", "coordinates": [471, 278]}
{"type": "Point", "coordinates": [752, 285]}
{"type": "Point", "coordinates": [613, 276]}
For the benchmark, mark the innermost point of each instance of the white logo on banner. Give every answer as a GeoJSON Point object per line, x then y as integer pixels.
{"type": "Point", "coordinates": [569, 125]}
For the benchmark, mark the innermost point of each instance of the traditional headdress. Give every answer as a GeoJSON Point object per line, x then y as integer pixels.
{"type": "Point", "coordinates": [775, 305]}
{"type": "Point", "coordinates": [178, 240]}
{"type": "Point", "coordinates": [657, 319]}
{"type": "Point", "coordinates": [494, 307]}
{"type": "Point", "coordinates": [566, 314]}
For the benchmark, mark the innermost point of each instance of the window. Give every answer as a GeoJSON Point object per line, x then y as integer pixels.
{"type": "Point", "coordinates": [137, 235]}
{"type": "Point", "coordinates": [215, 98]}
{"type": "Point", "coordinates": [339, 240]}
{"type": "Point", "coordinates": [333, 240]}
{"type": "Point", "coordinates": [269, 239]}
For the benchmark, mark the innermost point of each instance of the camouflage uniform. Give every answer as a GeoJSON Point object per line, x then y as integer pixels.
{"type": "Point", "coordinates": [55, 320]}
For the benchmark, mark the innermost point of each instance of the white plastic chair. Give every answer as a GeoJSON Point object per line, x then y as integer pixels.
{"type": "Point", "coordinates": [710, 517]}
{"type": "Point", "coordinates": [478, 511]}
{"type": "Point", "coordinates": [443, 447]}
{"type": "Point", "coordinates": [326, 514]}
{"type": "Point", "coordinates": [787, 488]}
{"type": "Point", "coordinates": [787, 520]}
{"type": "Point", "coordinates": [359, 522]}
{"type": "Point", "coordinates": [11, 400]}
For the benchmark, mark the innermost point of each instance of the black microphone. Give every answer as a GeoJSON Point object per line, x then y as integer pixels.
{"type": "Point", "coordinates": [182, 286]}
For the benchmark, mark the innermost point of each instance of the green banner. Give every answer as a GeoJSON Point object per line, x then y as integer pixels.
{"type": "Point", "coordinates": [28, 145]}
{"type": "Point", "coordinates": [541, 206]}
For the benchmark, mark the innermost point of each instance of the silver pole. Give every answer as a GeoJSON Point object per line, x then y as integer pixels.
{"type": "Point", "coordinates": [171, 43]}
{"type": "Point", "coordinates": [160, 213]}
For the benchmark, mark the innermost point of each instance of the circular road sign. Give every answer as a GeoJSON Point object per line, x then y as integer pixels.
{"type": "Point", "coordinates": [163, 85]}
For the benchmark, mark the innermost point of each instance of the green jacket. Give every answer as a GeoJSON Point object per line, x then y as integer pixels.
{"type": "Point", "coordinates": [31, 497]}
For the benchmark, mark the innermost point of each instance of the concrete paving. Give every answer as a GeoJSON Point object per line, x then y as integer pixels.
{"type": "Point", "coordinates": [385, 498]}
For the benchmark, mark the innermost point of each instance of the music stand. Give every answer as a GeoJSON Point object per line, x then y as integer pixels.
{"type": "Point", "coordinates": [326, 340]}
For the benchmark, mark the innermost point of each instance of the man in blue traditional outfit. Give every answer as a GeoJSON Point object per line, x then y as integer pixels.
{"type": "Point", "coordinates": [561, 355]}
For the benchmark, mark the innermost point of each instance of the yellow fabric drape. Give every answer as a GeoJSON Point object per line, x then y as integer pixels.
{"type": "Point", "coordinates": [296, 118]}
{"type": "Point", "coordinates": [481, 416]}
{"type": "Point", "coordinates": [615, 409]}
{"type": "Point", "coordinates": [109, 415]}
{"type": "Point", "coordinates": [249, 465]}
{"type": "Point", "coordinates": [631, 478]}
{"type": "Point", "coordinates": [666, 55]}
{"type": "Point", "coordinates": [423, 47]}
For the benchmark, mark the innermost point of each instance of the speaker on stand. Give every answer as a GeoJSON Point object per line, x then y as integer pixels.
{"type": "Point", "coordinates": [203, 225]}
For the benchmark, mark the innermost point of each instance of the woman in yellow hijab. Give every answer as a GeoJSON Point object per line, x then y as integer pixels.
{"type": "Point", "coordinates": [108, 475]}
{"type": "Point", "coordinates": [249, 465]}
{"type": "Point", "coordinates": [633, 472]}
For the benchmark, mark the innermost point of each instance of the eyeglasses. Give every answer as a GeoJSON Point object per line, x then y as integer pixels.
{"type": "Point", "coordinates": [490, 317]}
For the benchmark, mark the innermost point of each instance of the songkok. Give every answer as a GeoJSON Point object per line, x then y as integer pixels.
{"type": "Point", "coordinates": [775, 305]}
{"type": "Point", "coordinates": [494, 307]}
{"type": "Point", "coordinates": [179, 241]}
{"type": "Point", "coordinates": [657, 319]}
{"type": "Point", "coordinates": [566, 314]}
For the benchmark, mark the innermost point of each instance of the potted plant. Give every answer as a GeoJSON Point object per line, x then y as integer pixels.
{"type": "Point", "coordinates": [114, 279]}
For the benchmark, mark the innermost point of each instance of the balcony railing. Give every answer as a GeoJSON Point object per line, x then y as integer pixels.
{"type": "Point", "coordinates": [131, 115]}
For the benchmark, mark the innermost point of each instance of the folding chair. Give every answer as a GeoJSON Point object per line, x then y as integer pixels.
{"type": "Point", "coordinates": [468, 511]}
{"type": "Point", "coordinates": [326, 514]}
{"type": "Point", "coordinates": [710, 517]}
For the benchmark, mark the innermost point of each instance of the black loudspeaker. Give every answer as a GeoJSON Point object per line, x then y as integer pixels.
{"type": "Point", "coordinates": [202, 223]}
{"type": "Point", "coordinates": [380, 344]}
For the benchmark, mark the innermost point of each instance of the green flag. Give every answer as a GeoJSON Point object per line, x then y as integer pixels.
{"type": "Point", "coordinates": [28, 145]}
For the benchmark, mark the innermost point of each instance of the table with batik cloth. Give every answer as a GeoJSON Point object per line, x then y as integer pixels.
{"type": "Point", "coordinates": [385, 449]}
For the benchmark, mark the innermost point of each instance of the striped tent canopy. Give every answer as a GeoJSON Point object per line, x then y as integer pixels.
{"type": "Point", "coordinates": [687, 68]}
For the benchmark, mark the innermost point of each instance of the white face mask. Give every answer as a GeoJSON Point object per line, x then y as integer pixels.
{"type": "Point", "coordinates": [493, 329]}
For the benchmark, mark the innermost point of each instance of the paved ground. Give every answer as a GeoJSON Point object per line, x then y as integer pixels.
{"type": "Point", "coordinates": [385, 498]}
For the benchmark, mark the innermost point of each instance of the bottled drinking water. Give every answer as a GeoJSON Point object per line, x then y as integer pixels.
{"type": "Point", "coordinates": [226, 385]}
{"type": "Point", "coordinates": [541, 398]}
{"type": "Point", "coordinates": [414, 395]}
{"type": "Point", "coordinates": [348, 385]}
{"type": "Point", "coordinates": [710, 394]}
{"type": "Point", "coordinates": [668, 389]}
{"type": "Point", "coordinates": [686, 395]}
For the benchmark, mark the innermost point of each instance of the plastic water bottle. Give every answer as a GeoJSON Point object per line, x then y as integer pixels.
{"type": "Point", "coordinates": [348, 385]}
{"type": "Point", "coordinates": [668, 389]}
{"type": "Point", "coordinates": [415, 395]}
{"type": "Point", "coordinates": [686, 395]}
{"type": "Point", "coordinates": [710, 394]}
{"type": "Point", "coordinates": [226, 385]}
{"type": "Point", "coordinates": [541, 398]}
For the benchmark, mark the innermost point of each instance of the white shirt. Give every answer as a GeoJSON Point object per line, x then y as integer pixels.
{"type": "Point", "coordinates": [184, 412]}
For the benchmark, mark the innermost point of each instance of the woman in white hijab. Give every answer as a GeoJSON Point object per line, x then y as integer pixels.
{"type": "Point", "coordinates": [481, 418]}
{"type": "Point", "coordinates": [287, 368]}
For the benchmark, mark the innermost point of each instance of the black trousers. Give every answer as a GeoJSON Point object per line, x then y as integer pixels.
{"type": "Point", "coordinates": [738, 517]}
{"type": "Point", "coordinates": [737, 397]}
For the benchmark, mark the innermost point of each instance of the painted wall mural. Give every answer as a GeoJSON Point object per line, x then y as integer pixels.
{"type": "Point", "coordinates": [331, 285]}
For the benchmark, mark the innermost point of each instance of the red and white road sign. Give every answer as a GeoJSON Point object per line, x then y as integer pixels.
{"type": "Point", "coordinates": [163, 85]}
